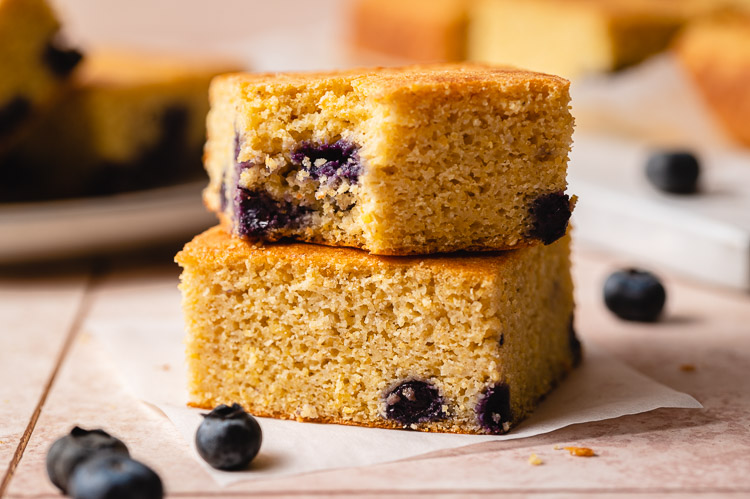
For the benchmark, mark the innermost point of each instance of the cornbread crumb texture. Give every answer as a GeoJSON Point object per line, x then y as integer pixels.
{"type": "Point", "coordinates": [396, 161]}
{"type": "Point", "coordinates": [131, 120]}
{"type": "Point", "coordinates": [34, 64]}
{"type": "Point", "coordinates": [716, 55]}
{"type": "Point", "coordinates": [416, 30]}
{"type": "Point", "coordinates": [437, 343]}
{"type": "Point", "coordinates": [576, 37]}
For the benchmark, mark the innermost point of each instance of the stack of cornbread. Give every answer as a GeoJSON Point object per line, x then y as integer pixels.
{"type": "Point", "coordinates": [392, 249]}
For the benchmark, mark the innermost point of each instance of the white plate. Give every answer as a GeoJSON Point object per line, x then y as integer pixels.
{"type": "Point", "coordinates": [76, 227]}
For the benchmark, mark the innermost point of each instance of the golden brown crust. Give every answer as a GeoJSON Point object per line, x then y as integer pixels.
{"type": "Point", "coordinates": [215, 247]}
{"type": "Point", "coordinates": [383, 423]}
{"type": "Point", "coordinates": [385, 80]}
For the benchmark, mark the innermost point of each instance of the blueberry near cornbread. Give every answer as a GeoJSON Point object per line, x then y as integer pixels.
{"type": "Point", "coordinates": [228, 438]}
{"type": "Point", "coordinates": [675, 172]}
{"type": "Point", "coordinates": [111, 476]}
{"type": "Point", "coordinates": [635, 295]}
{"type": "Point", "coordinates": [129, 121]}
{"type": "Point", "coordinates": [35, 64]}
{"type": "Point", "coordinates": [466, 342]}
{"type": "Point", "coordinates": [71, 450]}
{"type": "Point", "coordinates": [398, 161]}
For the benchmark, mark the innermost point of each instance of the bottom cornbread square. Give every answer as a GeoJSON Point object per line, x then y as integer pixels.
{"type": "Point", "coordinates": [454, 343]}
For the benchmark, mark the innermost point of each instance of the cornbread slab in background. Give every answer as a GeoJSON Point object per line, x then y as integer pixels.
{"type": "Point", "coordinates": [573, 38]}
{"type": "Point", "coordinates": [452, 343]}
{"type": "Point", "coordinates": [409, 160]}
{"type": "Point", "coordinates": [413, 30]}
{"type": "Point", "coordinates": [34, 65]}
{"type": "Point", "coordinates": [130, 121]}
{"type": "Point", "coordinates": [715, 54]}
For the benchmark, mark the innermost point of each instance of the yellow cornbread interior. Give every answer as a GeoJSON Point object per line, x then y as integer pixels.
{"type": "Point", "coordinates": [452, 156]}
{"type": "Point", "coordinates": [308, 332]}
{"type": "Point", "coordinates": [573, 37]}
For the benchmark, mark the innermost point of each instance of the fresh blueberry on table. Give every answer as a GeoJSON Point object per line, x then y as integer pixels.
{"type": "Point", "coordinates": [228, 438]}
{"type": "Point", "coordinates": [79, 445]}
{"type": "Point", "coordinates": [634, 295]}
{"type": "Point", "coordinates": [115, 476]}
{"type": "Point", "coordinates": [673, 172]}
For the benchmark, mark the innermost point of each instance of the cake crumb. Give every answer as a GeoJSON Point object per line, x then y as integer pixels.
{"type": "Point", "coordinates": [534, 460]}
{"type": "Point", "coordinates": [688, 368]}
{"type": "Point", "coordinates": [580, 451]}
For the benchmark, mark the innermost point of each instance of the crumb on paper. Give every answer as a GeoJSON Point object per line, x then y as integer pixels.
{"type": "Point", "coordinates": [535, 460]}
{"type": "Point", "coordinates": [580, 451]}
{"type": "Point", "coordinates": [165, 367]}
{"type": "Point", "coordinates": [688, 368]}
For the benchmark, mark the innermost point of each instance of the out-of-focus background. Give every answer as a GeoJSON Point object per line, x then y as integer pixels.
{"type": "Point", "coordinates": [113, 160]}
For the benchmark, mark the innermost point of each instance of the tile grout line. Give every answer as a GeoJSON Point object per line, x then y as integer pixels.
{"type": "Point", "coordinates": [83, 307]}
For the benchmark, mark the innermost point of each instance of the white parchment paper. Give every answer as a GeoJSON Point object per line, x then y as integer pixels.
{"type": "Point", "coordinates": [143, 332]}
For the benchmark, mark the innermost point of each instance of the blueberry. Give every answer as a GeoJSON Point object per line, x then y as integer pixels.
{"type": "Point", "coordinates": [634, 295]}
{"type": "Point", "coordinates": [115, 476]}
{"type": "Point", "coordinates": [68, 452]}
{"type": "Point", "coordinates": [59, 59]}
{"type": "Point", "coordinates": [673, 172]}
{"type": "Point", "coordinates": [414, 402]}
{"type": "Point", "coordinates": [550, 214]}
{"type": "Point", "coordinates": [336, 161]}
{"type": "Point", "coordinates": [228, 438]}
{"type": "Point", "coordinates": [493, 409]}
{"type": "Point", "coordinates": [258, 213]}
{"type": "Point", "coordinates": [13, 113]}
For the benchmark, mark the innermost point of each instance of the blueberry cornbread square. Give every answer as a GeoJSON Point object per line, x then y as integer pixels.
{"type": "Point", "coordinates": [574, 38]}
{"type": "Point", "coordinates": [715, 54]}
{"type": "Point", "coordinates": [467, 343]}
{"type": "Point", "coordinates": [131, 120]}
{"type": "Point", "coordinates": [416, 31]}
{"type": "Point", "coordinates": [35, 63]}
{"type": "Point", "coordinates": [400, 161]}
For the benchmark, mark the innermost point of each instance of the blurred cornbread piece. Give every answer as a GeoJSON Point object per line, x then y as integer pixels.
{"type": "Point", "coordinates": [716, 55]}
{"type": "Point", "coordinates": [34, 65]}
{"type": "Point", "coordinates": [416, 30]}
{"type": "Point", "coordinates": [397, 161]}
{"type": "Point", "coordinates": [132, 120]}
{"type": "Point", "coordinates": [461, 343]}
{"type": "Point", "coordinates": [575, 37]}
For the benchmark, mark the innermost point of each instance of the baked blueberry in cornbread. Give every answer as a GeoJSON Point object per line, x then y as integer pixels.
{"type": "Point", "coordinates": [575, 37]}
{"type": "Point", "coordinates": [467, 342]}
{"type": "Point", "coordinates": [398, 161]}
{"type": "Point", "coordinates": [131, 120]}
{"type": "Point", "coordinates": [34, 65]}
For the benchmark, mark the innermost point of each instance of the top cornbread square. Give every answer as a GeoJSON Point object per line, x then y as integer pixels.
{"type": "Point", "coordinates": [395, 161]}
